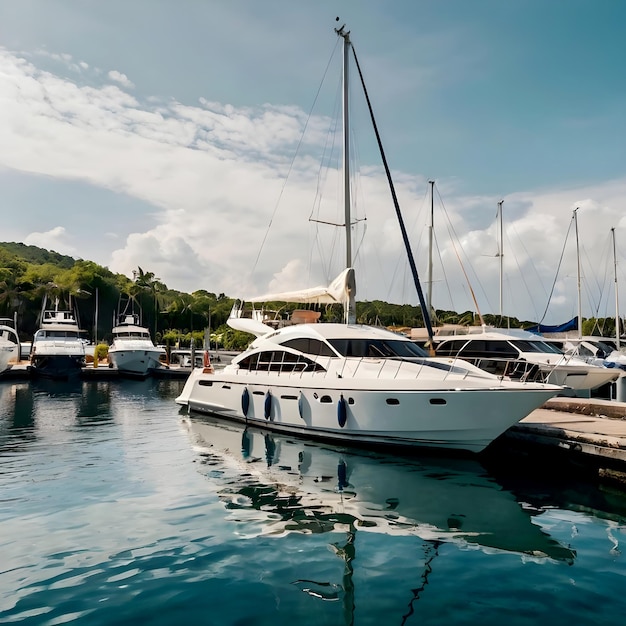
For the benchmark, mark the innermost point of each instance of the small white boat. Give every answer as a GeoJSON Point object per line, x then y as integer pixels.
{"type": "Point", "coordinates": [58, 348]}
{"type": "Point", "coordinates": [9, 345]}
{"type": "Point", "coordinates": [518, 353]}
{"type": "Point", "coordinates": [132, 351]}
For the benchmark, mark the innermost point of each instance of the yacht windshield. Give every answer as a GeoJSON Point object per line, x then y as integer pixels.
{"type": "Point", "coordinates": [377, 348]}
{"type": "Point", "coordinates": [536, 346]}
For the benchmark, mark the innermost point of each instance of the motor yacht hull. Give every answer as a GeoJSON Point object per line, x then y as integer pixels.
{"type": "Point", "coordinates": [580, 379]}
{"type": "Point", "coordinates": [57, 366]}
{"type": "Point", "coordinates": [395, 413]}
{"type": "Point", "coordinates": [8, 353]}
{"type": "Point", "coordinates": [135, 361]}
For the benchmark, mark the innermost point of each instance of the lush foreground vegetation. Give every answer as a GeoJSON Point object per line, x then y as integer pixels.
{"type": "Point", "coordinates": [29, 275]}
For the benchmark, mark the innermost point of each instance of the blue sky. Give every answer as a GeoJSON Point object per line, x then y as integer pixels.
{"type": "Point", "coordinates": [160, 133]}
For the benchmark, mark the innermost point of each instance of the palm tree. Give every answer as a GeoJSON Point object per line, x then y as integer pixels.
{"type": "Point", "coordinates": [153, 285]}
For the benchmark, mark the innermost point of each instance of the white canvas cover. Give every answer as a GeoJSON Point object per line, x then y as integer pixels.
{"type": "Point", "coordinates": [337, 292]}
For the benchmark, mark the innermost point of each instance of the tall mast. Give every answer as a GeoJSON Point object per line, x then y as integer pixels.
{"type": "Point", "coordinates": [350, 309]}
{"type": "Point", "coordinates": [500, 251]}
{"type": "Point", "coordinates": [617, 325]}
{"type": "Point", "coordinates": [580, 314]}
{"type": "Point", "coordinates": [431, 227]}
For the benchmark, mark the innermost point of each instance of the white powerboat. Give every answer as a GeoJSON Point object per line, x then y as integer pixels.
{"type": "Point", "coordinates": [9, 345]}
{"type": "Point", "coordinates": [601, 351]}
{"type": "Point", "coordinates": [521, 354]}
{"type": "Point", "coordinates": [132, 351]}
{"type": "Point", "coordinates": [58, 348]}
{"type": "Point", "coordinates": [354, 383]}
{"type": "Point", "coordinates": [365, 385]}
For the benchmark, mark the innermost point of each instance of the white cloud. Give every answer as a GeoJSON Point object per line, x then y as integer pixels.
{"type": "Point", "coordinates": [120, 78]}
{"type": "Point", "coordinates": [215, 177]}
{"type": "Point", "coordinates": [56, 239]}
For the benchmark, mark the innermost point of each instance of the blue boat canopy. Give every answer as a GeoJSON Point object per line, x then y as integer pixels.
{"type": "Point", "coordinates": [544, 328]}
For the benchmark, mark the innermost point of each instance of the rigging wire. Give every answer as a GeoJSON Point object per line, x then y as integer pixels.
{"type": "Point", "coordinates": [294, 158]}
{"type": "Point", "coordinates": [418, 287]}
{"type": "Point", "coordinates": [453, 239]}
{"type": "Point", "coordinates": [557, 271]}
{"type": "Point", "coordinates": [521, 273]}
{"type": "Point", "coordinates": [532, 264]}
{"type": "Point", "coordinates": [317, 202]}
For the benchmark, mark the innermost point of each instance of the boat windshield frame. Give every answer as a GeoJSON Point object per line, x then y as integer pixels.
{"type": "Point", "coordinates": [535, 345]}
{"type": "Point", "coordinates": [377, 348]}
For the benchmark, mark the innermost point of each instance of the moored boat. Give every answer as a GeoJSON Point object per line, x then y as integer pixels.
{"type": "Point", "coordinates": [58, 348]}
{"type": "Point", "coordinates": [521, 354]}
{"type": "Point", "coordinates": [9, 345]}
{"type": "Point", "coordinates": [354, 383]}
{"type": "Point", "coordinates": [132, 351]}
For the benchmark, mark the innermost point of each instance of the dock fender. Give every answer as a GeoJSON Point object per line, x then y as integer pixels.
{"type": "Point", "coordinates": [268, 405]}
{"type": "Point", "coordinates": [342, 411]}
{"type": "Point", "coordinates": [245, 401]}
{"type": "Point", "coordinates": [301, 402]}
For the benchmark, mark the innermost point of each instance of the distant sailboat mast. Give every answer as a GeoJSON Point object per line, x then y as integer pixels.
{"type": "Point", "coordinates": [430, 246]}
{"type": "Point", "coordinates": [500, 252]}
{"type": "Point", "coordinates": [580, 314]}
{"type": "Point", "coordinates": [617, 324]}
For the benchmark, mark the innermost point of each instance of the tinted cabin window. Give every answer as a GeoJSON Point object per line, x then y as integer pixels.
{"type": "Point", "coordinates": [279, 361]}
{"type": "Point", "coordinates": [377, 348]}
{"type": "Point", "coordinates": [491, 349]}
{"type": "Point", "coordinates": [535, 346]}
{"type": "Point", "coordinates": [309, 346]}
{"type": "Point", "coordinates": [450, 348]}
{"type": "Point", "coordinates": [479, 348]}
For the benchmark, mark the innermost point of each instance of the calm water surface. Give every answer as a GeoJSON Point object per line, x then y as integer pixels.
{"type": "Point", "coordinates": [117, 508]}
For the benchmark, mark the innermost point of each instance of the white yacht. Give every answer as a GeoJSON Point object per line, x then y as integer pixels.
{"type": "Point", "coordinates": [520, 354]}
{"type": "Point", "coordinates": [596, 350]}
{"type": "Point", "coordinates": [58, 348]}
{"type": "Point", "coordinates": [353, 383]}
{"type": "Point", "coordinates": [132, 351]}
{"type": "Point", "coordinates": [365, 385]}
{"type": "Point", "coordinates": [9, 345]}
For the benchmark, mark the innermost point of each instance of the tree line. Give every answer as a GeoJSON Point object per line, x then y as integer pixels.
{"type": "Point", "coordinates": [30, 275]}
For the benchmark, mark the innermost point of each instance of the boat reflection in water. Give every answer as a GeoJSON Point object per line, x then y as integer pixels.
{"type": "Point", "coordinates": [279, 484]}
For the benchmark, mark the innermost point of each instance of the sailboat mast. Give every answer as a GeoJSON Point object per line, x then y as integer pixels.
{"type": "Point", "coordinates": [617, 324]}
{"type": "Point", "coordinates": [350, 309]}
{"type": "Point", "coordinates": [580, 314]}
{"type": "Point", "coordinates": [431, 227]}
{"type": "Point", "coordinates": [500, 251]}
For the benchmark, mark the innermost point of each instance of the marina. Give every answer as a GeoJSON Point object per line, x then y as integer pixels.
{"type": "Point", "coordinates": [336, 460]}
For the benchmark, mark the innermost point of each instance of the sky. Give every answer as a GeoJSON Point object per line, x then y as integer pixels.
{"type": "Point", "coordinates": [194, 139]}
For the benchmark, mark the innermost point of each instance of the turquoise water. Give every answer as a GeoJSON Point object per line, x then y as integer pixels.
{"type": "Point", "coordinates": [118, 508]}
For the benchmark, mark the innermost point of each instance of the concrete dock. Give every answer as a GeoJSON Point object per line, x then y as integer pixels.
{"type": "Point", "coordinates": [21, 371]}
{"type": "Point", "coordinates": [586, 434]}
